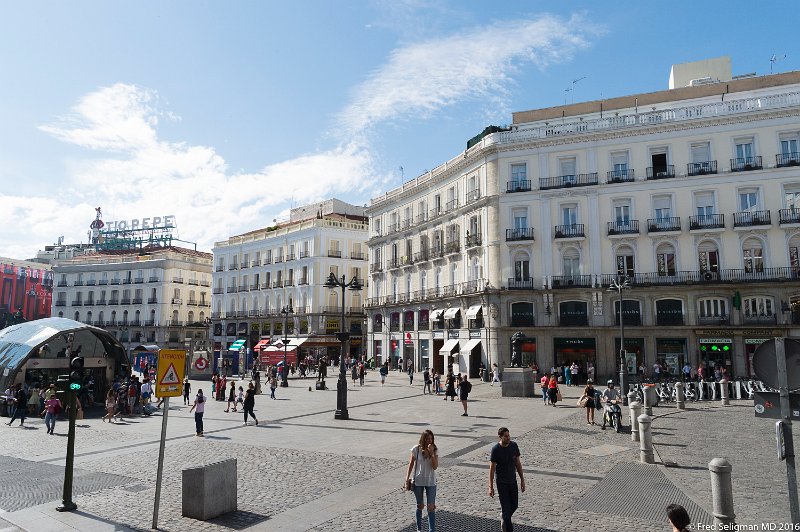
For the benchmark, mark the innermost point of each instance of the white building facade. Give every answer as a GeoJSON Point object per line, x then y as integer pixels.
{"type": "Point", "coordinates": [158, 296]}
{"type": "Point", "coordinates": [691, 194]}
{"type": "Point", "coordinates": [258, 274]}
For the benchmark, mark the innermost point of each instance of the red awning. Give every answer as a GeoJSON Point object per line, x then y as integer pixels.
{"type": "Point", "coordinates": [261, 345]}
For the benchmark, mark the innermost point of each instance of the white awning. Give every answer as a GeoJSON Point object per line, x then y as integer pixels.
{"type": "Point", "coordinates": [469, 346]}
{"type": "Point", "coordinates": [448, 348]}
{"type": "Point", "coordinates": [473, 311]}
{"type": "Point", "coordinates": [436, 314]}
{"type": "Point", "coordinates": [297, 342]}
{"type": "Point", "coordinates": [451, 313]}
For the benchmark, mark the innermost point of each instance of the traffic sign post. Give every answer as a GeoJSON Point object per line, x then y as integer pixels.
{"type": "Point", "coordinates": [169, 383]}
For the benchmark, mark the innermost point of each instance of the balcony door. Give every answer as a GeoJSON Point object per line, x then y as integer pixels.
{"type": "Point", "coordinates": [569, 215]}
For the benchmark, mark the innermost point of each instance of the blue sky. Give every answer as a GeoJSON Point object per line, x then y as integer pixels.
{"type": "Point", "coordinates": [224, 113]}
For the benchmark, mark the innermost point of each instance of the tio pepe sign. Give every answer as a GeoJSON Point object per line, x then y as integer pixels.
{"type": "Point", "coordinates": [156, 222]}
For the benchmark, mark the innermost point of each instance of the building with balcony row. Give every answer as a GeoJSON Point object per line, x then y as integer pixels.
{"type": "Point", "coordinates": [157, 295]}
{"type": "Point", "coordinates": [260, 273]}
{"type": "Point", "coordinates": [691, 194]}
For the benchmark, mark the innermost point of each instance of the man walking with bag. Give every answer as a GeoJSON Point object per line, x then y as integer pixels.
{"type": "Point", "coordinates": [504, 466]}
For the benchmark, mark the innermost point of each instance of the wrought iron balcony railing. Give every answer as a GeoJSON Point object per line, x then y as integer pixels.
{"type": "Point", "coordinates": [707, 221]}
{"type": "Point", "coordinates": [522, 185]}
{"type": "Point", "coordinates": [745, 164]}
{"type": "Point", "coordinates": [751, 218]}
{"type": "Point", "coordinates": [522, 233]}
{"type": "Point", "coordinates": [620, 176]}
{"type": "Point", "coordinates": [666, 171]}
{"type": "Point", "coordinates": [701, 168]}
{"type": "Point", "coordinates": [624, 227]}
{"type": "Point", "coordinates": [566, 181]}
{"type": "Point", "coordinates": [661, 225]}
{"type": "Point", "coordinates": [570, 231]}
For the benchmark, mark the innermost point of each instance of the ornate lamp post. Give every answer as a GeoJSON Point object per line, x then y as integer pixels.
{"type": "Point", "coordinates": [285, 370]}
{"type": "Point", "coordinates": [617, 286]}
{"type": "Point", "coordinates": [343, 337]}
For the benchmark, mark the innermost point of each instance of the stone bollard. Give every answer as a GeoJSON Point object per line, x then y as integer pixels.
{"type": "Point", "coordinates": [649, 392]}
{"type": "Point", "coordinates": [632, 396]}
{"type": "Point", "coordinates": [645, 440]}
{"type": "Point", "coordinates": [723, 388]}
{"type": "Point", "coordinates": [721, 492]}
{"type": "Point", "coordinates": [680, 397]}
{"type": "Point", "coordinates": [635, 408]}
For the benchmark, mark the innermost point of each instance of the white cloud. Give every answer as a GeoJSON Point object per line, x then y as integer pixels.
{"type": "Point", "coordinates": [422, 78]}
{"type": "Point", "coordinates": [138, 174]}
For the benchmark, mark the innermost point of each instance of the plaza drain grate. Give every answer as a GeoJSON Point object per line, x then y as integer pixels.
{"type": "Point", "coordinates": [640, 491]}
{"type": "Point", "coordinates": [239, 520]}
{"type": "Point", "coordinates": [457, 522]}
{"type": "Point", "coordinates": [38, 482]}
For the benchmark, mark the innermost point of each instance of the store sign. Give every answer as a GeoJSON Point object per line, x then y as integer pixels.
{"type": "Point", "coordinates": [474, 334]}
{"type": "Point", "coordinates": [156, 222]}
{"type": "Point", "coordinates": [716, 341]}
{"type": "Point", "coordinates": [438, 335]}
{"type": "Point", "coordinates": [453, 333]}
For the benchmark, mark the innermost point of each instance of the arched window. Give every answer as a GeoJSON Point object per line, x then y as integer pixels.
{"type": "Point", "coordinates": [438, 277]}
{"type": "Point", "coordinates": [631, 312]}
{"type": "Point", "coordinates": [232, 307]}
{"type": "Point", "coordinates": [669, 312]}
{"type": "Point", "coordinates": [626, 263]}
{"type": "Point", "coordinates": [522, 314]}
{"type": "Point", "coordinates": [408, 284]}
{"type": "Point", "coordinates": [758, 309]}
{"type": "Point", "coordinates": [202, 316]}
{"type": "Point", "coordinates": [124, 317]}
{"type": "Point", "coordinates": [100, 318]}
{"type": "Point", "coordinates": [174, 318]}
{"type": "Point", "coordinates": [138, 316]}
{"type": "Point", "coordinates": [266, 305]}
{"type": "Point", "coordinates": [753, 255]}
{"type": "Point", "coordinates": [665, 259]}
{"type": "Point", "coordinates": [77, 316]}
{"type": "Point", "coordinates": [708, 257]}
{"type": "Point", "coordinates": [243, 306]}
{"type": "Point", "coordinates": [454, 274]}
{"type": "Point", "coordinates": [573, 313]}
{"type": "Point", "coordinates": [89, 317]}
{"type": "Point", "coordinates": [713, 311]}
{"type": "Point", "coordinates": [60, 314]}
{"type": "Point", "coordinates": [423, 281]}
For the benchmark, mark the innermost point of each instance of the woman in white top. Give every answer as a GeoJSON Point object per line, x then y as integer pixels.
{"type": "Point", "coordinates": [422, 472]}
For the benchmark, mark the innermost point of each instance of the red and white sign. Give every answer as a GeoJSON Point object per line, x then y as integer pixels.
{"type": "Point", "coordinates": [408, 339]}
{"type": "Point", "coordinates": [201, 363]}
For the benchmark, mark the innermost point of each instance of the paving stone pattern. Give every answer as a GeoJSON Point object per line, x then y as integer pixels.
{"type": "Point", "coordinates": [26, 483]}
{"type": "Point", "coordinates": [270, 480]}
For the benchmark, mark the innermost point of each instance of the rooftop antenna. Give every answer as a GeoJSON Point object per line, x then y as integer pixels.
{"type": "Point", "coordinates": [774, 59]}
{"type": "Point", "coordinates": [572, 89]}
{"type": "Point", "coordinates": [402, 176]}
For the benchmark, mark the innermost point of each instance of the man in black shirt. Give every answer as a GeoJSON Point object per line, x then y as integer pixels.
{"type": "Point", "coordinates": [505, 464]}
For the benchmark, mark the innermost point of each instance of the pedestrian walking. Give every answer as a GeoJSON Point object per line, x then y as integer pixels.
{"type": "Point", "coordinates": [481, 370]}
{"type": "Point", "coordinates": [384, 371]}
{"type": "Point", "coordinates": [200, 407]}
{"type": "Point", "coordinates": [421, 477]}
{"type": "Point", "coordinates": [568, 375]}
{"type": "Point", "coordinates": [504, 465]}
{"type": "Point", "coordinates": [362, 371]}
{"type": "Point", "coordinates": [187, 388]}
{"type": "Point", "coordinates": [410, 373]}
{"type": "Point", "coordinates": [552, 390]}
{"type": "Point", "coordinates": [574, 369]}
{"type": "Point", "coordinates": [437, 382]}
{"type": "Point", "coordinates": [20, 406]}
{"type": "Point", "coordinates": [111, 403]}
{"type": "Point", "coordinates": [240, 396]}
{"type": "Point", "coordinates": [231, 397]}
{"type": "Point", "coordinates": [250, 403]}
{"type": "Point", "coordinates": [426, 378]}
{"type": "Point", "coordinates": [678, 518]}
{"type": "Point", "coordinates": [590, 371]}
{"type": "Point", "coordinates": [495, 374]}
{"type": "Point", "coordinates": [544, 382]}
{"type": "Point", "coordinates": [52, 406]}
{"type": "Point", "coordinates": [587, 402]}
{"type": "Point", "coordinates": [450, 384]}
{"type": "Point", "coordinates": [354, 373]}
{"type": "Point", "coordinates": [273, 385]}
{"type": "Point", "coordinates": [463, 392]}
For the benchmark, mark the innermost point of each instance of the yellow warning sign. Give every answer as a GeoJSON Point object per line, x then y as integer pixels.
{"type": "Point", "coordinates": [171, 366]}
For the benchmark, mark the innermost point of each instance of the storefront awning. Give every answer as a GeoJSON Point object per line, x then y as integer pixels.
{"type": "Point", "coordinates": [436, 315]}
{"type": "Point", "coordinates": [473, 311]}
{"type": "Point", "coordinates": [466, 350]}
{"type": "Point", "coordinates": [151, 348]}
{"type": "Point", "coordinates": [448, 347]}
{"type": "Point", "coordinates": [451, 313]}
{"type": "Point", "coordinates": [261, 345]}
{"type": "Point", "coordinates": [237, 345]}
{"type": "Point", "coordinates": [297, 342]}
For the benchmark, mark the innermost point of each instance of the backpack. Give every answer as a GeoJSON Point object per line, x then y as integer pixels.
{"type": "Point", "coordinates": [466, 386]}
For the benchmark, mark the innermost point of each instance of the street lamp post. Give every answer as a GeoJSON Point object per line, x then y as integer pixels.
{"type": "Point", "coordinates": [618, 286]}
{"type": "Point", "coordinates": [285, 371]}
{"type": "Point", "coordinates": [343, 336]}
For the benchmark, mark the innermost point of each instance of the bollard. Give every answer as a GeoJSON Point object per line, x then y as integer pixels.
{"type": "Point", "coordinates": [645, 440]}
{"type": "Point", "coordinates": [635, 408]}
{"type": "Point", "coordinates": [632, 396]}
{"type": "Point", "coordinates": [649, 392]}
{"type": "Point", "coordinates": [721, 492]}
{"type": "Point", "coordinates": [680, 397]}
{"type": "Point", "coordinates": [723, 388]}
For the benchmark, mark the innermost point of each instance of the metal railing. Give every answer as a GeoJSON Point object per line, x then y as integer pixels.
{"type": "Point", "coordinates": [375, 267]}
{"type": "Point", "coordinates": [522, 185]}
{"type": "Point", "coordinates": [473, 195]}
{"type": "Point", "coordinates": [522, 233]}
{"type": "Point", "coordinates": [152, 301]}
{"type": "Point", "coordinates": [421, 218]}
{"type": "Point", "coordinates": [153, 279]}
{"type": "Point", "coordinates": [624, 227]}
{"type": "Point", "coordinates": [571, 281]}
{"type": "Point", "coordinates": [751, 218]}
{"type": "Point", "coordinates": [436, 211]}
{"type": "Point", "coordinates": [451, 205]}
{"type": "Point", "coordinates": [620, 176]}
{"type": "Point", "coordinates": [707, 221]}
{"type": "Point", "coordinates": [473, 240]}
{"type": "Point", "coordinates": [566, 181]}
{"type": "Point", "coordinates": [335, 253]}
{"type": "Point", "coordinates": [569, 231]}
{"type": "Point", "coordinates": [701, 168]}
{"type": "Point", "coordinates": [358, 256]}
{"type": "Point", "coordinates": [787, 159]}
{"type": "Point", "coordinates": [520, 284]}
{"type": "Point", "coordinates": [661, 225]}
{"type": "Point", "coordinates": [452, 247]}
{"type": "Point", "coordinates": [744, 164]}
{"type": "Point", "coordinates": [789, 216]}
{"type": "Point", "coordinates": [666, 171]}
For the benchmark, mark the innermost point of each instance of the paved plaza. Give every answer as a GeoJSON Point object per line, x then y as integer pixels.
{"type": "Point", "coordinates": [300, 469]}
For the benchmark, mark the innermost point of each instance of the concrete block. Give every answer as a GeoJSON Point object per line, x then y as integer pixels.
{"type": "Point", "coordinates": [210, 490]}
{"type": "Point", "coordinates": [518, 382]}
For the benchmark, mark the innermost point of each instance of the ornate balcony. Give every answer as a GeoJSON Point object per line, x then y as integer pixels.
{"type": "Point", "coordinates": [522, 233]}
{"type": "Point", "coordinates": [520, 284]}
{"type": "Point", "coordinates": [523, 185]}
{"type": "Point", "coordinates": [567, 181]}
{"type": "Point", "coordinates": [620, 176]}
{"type": "Point", "coordinates": [787, 159]}
{"type": "Point", "coordinates": [707, 221]}
{"type": "Point", "coordinates": [624, 227]}
{"type": "Point", "coordinates": [789, 216]}
{"type": "Point", "coordinates": [701, 168]}
{"type": "Point", "coordinates": [570, 231]}
{"type": "Point", "coordinates": [473, 195]}
{"type": "Point", "coordinates": [745, 164]}
{"type": "Point", "coordinates": [666, 171]}
{"type": "Point", "coordinates": [663, 225]}
{"type": "Point", "coordinates": [472, 240]}
{"type": "Point", "coordinates": [571, 281]}
{"type": "Point", "coordinates": [751, 218]}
